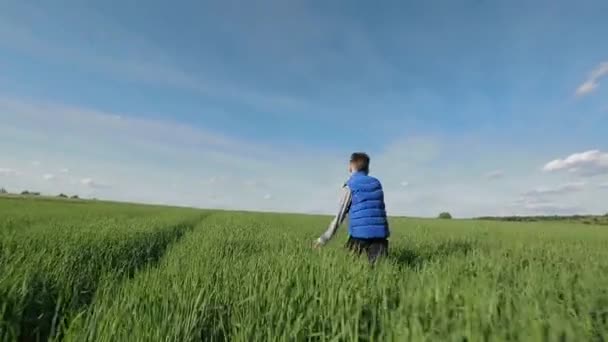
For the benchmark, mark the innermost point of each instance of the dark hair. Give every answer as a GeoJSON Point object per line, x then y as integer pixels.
{"type": "Point", "coordinates": [361, 161]}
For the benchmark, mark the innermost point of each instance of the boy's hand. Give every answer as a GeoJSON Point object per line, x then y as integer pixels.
{"type": "Point", "coordinates": [317, 244]}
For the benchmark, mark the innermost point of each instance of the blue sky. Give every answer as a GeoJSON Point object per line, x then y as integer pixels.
{"type": "Point", "coordinates": [257, 105]}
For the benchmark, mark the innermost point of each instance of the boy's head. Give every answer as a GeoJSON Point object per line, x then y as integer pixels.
{"type": "Point", "coordinates": [359, 162]}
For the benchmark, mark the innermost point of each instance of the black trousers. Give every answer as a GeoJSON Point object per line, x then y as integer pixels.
{"type": "Point", "coordinates": [374, 248]}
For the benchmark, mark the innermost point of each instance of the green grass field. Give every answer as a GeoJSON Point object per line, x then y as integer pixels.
{"type": "Point", "coordinates": [95, 271]}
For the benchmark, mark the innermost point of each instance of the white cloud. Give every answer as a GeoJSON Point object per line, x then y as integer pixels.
{"type": "Point", "coordinates": [213, 182]}
{"type": "Point", "coordinates": [65, 170]}
{"type": "Point", "coordinates": [593, 79]}
{"type": "Point", "coordinates": [555, 200]}
{"type": "Point", "coordinates": [268, 197]}
{"type": "Point", "coordinates": [558, 190]}
{"type": "Point", "coordinates": [86, 181]}
{"type": "Point", "coordinates": [496, 174]}
{"type": "Point", "coordinates": [35, 163]}
{"type": "Point", "coordinates": [8, 172]}
{"type": "Point", "coordinates": [589, 163]}
{"type": "Point", "coordinates": [541, 205]}
{"type": "Point", "coordinates": [604, 185]}
{"type": "Point", "coordinates": [89, 182]}
{"type": "Point", "coordinates": [586, 88]}
{"type": "Point", "coordinates": [550, 208]}
{"type": "Point", "coordinates": [115, 128]}
{"type": "Point", "coordinates": [404, 184]}
{"type": "Point", "coordinates": [142, 158]}
{"type": "Point", "coordinates": [48, 177]}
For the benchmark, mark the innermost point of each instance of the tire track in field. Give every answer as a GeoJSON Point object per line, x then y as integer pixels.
{"type": "Point", "coordinates": [169, 302]}
{"type": "Point", "coordinates": [120, 282]}
{"type": "Point", "coordinates": [48, 310]}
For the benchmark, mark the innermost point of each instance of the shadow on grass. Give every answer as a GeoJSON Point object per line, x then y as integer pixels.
{"type": "Point", "coordinates": [407, 258]}
{"type": "Point", "coordinates": [416, 259]}
{"type": "Point", "coordinates": [215, 325]}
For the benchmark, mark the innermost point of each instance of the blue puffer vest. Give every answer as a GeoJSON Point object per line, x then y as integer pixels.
{"type": "Point", "coordinates": [367, 216]}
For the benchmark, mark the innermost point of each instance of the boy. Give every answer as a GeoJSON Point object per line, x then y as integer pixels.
{"type": "Point", "coordinates": [363, 197]}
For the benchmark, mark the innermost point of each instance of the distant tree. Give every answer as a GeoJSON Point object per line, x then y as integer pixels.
{"type": "Point", "coordinates": [606, 214]}
{"type": "Point", "coordinates": [3, 191]}
{"type": "Point", "coordinates": [75, 197]}
{"type": "Point", "coordinates": [445, 215]}
{"type": "Point", "coordinates": [35, 193]}
{"type": "Point", "coordinates": [25, 192]}
{"type": "Point", "coordinates": [63, 196]}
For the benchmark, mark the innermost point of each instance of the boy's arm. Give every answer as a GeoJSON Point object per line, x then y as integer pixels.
{"type": "Point", "coordinates": [333, 226]}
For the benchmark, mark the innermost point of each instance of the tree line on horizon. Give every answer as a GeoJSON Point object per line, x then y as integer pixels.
{"type": "Point", "coordinates": [3, 191]}
{"type": "Point", "coordinates": [587, 219]}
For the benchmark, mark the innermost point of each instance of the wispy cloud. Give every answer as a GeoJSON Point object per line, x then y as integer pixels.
{"type": "Point", "coordinates": [89, 182]}
{"type": "Point", "coordinates": [543, 203]}
{"type": "Point", "coordinates": [593, 79]}
{"type": "Point", "coordinates": [133, 58]}
{"type": "Point", "coordinates": [184, 163]}
{"type": "Point", "coordinates": [154, 161]}
{"type": "Point", "coordinates": [552, 200]}
{"type": "Point", "coordinates": [549, 208]}
{"type": "Point", "coordinates": [48, 177]}
{"type": "Point", "coordinates": [100, 125]}
{"type": "Point", "coordinates": [558, 190]}
{"type": "Point", "coordinates": [496, 174]}
{"type": "Point", "coordinates": [8, 172]}
{"type": "Point", "coordinates": [588, 163]}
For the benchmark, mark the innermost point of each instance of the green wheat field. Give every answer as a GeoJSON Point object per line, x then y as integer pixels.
{"type": "Point", "coordinates": [97, 271]}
